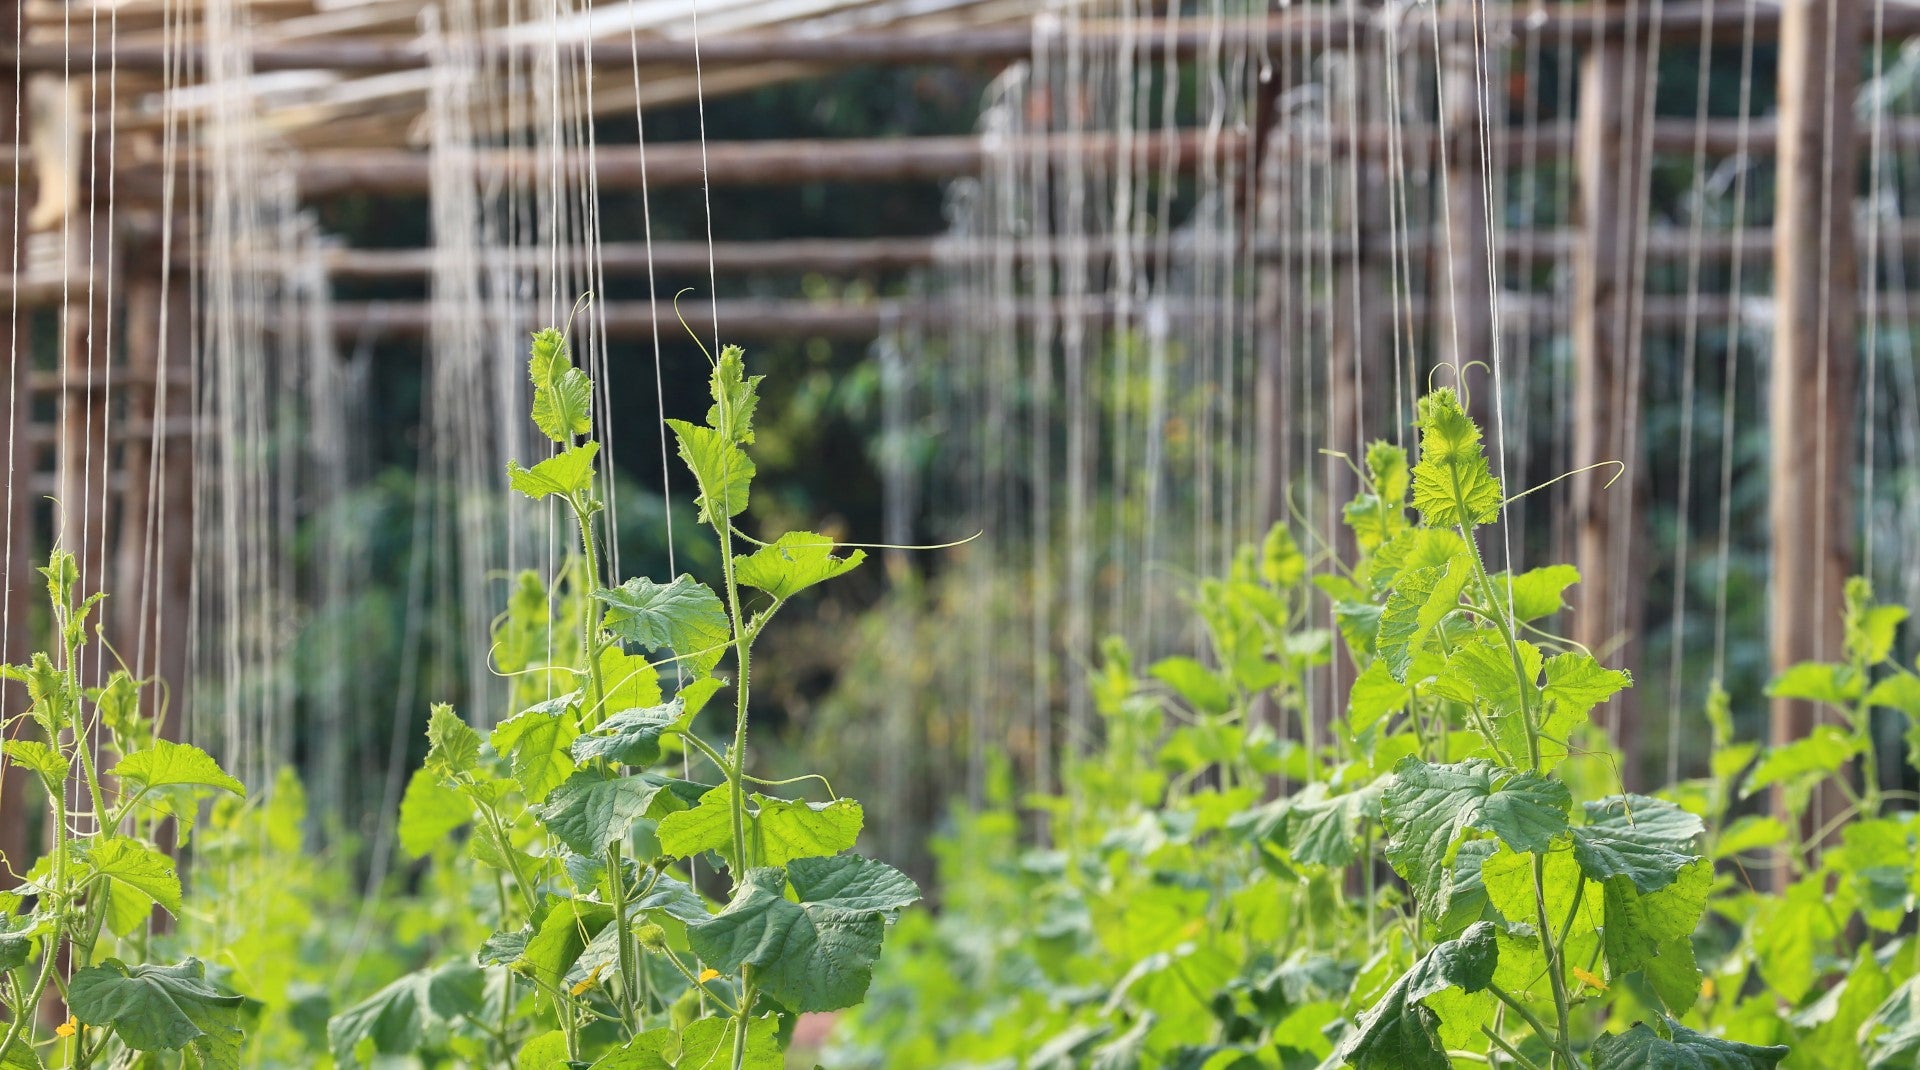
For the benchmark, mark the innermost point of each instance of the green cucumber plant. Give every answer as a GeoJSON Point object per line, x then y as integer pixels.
{"type": "Point", "coordinates": [602, 952]}
{"type": "Point", "coordinates": [1425, 893]}
{"type": "Point", "coordinates": [77, 923]}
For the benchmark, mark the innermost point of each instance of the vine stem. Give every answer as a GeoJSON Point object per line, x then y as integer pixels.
{"type": "Point", "coordinates": [1561, 1003]}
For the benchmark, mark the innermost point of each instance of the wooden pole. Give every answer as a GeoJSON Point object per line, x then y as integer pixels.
{"type": "Point", "coordinates": [16, 543]}
{"type": "Point", "coordinates": [1812, 377]}
{"type": "Point", "coordinates": [1609, 162]}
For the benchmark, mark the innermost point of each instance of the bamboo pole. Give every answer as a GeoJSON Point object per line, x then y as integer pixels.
{"type": "Point", "coordinates": [1812, 376]}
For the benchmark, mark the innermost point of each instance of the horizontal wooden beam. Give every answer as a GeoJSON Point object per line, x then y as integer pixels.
{"type": "Point", "coordinates": [745, 319]}
{"type": "Point", "coordinates": [907, 44]}
{"type": "Point", "coordinates": [388, 172]}
{"type": "Point", "coordinates": [842, 256]}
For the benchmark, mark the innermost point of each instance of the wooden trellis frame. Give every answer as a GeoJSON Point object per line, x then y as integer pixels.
{"type": "Point", "coordinates": [1813, 295]}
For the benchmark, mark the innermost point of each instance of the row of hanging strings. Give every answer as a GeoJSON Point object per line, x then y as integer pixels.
{"type": "Point", "coordinates": [1142, 372]}
{"type": "Point", "coordinates": [1148, 362]}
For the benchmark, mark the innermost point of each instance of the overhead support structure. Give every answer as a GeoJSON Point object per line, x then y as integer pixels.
{"type": "Point", "coordinates": [1308, 27]}
{"type": "Point", "coordinates": [1608, 312]}
{"type": "Point", "coordinates": [1811, 406]}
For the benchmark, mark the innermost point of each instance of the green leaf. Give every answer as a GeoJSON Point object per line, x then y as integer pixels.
{"type": "Point", "coordinates": [1387, 468]}
{"type": "Point", "coordinates": [595, 808]}
{"type": "Point", "coordinates": [1577, 683]}
{"type": "Point", "coordinates": [157, 1008]}
{"type": "Point", "coordinates": [394, 1020]}
{"type": "Point", "coordinates": [537, 743]}
{"type": "Point", "coordinates": [1891, 1037]}
{"type": "Point", "coordinates": [1429, 809]}
{"type": "Point", "coordinates": [1801, 764]}
{"type": "Point", "coordinates": [684, 616]}
{"type": "Point", "coordinates": [1835, 685]}
{"type": "Point", "coordinates": [1647, 841]}
{"type": "Point", "coordinates": [559, 939]}
{"type": "Point", "coordinates": [1281, 563]}
{"type": "Point", "coordinates": [1537, 592]}
{"type": "Point", "coordinates": [429, 812]}
{"type": "Point", "coordinates": [631, 737]}
{"type": "Point", "coordinates": [548, 1051]}
{"type": "Point", "coordinates": [1643, 928]}
{"type": "Point", "coordinates": [792, 563]}
{"type": "Point", "coordinates": [816, 954]}
{"type": "Point", "coordinates": [1203, 688]}
{"type": "Point", "coordinates": [1640, 1048]}
{"type": "Point", "coordinates": [453, 747]}
{"type": "Point", "coordinates": [562, 393]}
{"type": "Point", "coordinates": [44, 759]}
{"type": "Point", "coordinates": [1400, 1032]}
{"type": "Point", "coordinates": [138, 867]}
{"type": "Point", "coordinates": [735, 396]}
{"type": "Point", "coordinates": [791, 829]}
{"type": "Point", "coordinates": [724, 471]}
{"type": "Point", "coordinates": [565, 474]}
{"type": "Point", "coordinates": [783, 829]}
{"type": "Point", "coordinates": [167, 764]}
{"type": "Point", "coordinates": [20, 1056]}
{"type": "Point", "coordinates": [708, 826]}
{"type": "Point", "coordinates": [708, 1042]}
{"type": "Point", "coordinates": [1452, 485]}
{"type": "Point", "coordinates": [1375, 695]}
{"type": "Point", "coordinates": [1870, 628]}
{"type": "Point", "coordinates": [1480, 671]}
{"type": "Point", "coordinates": [1421, 598]}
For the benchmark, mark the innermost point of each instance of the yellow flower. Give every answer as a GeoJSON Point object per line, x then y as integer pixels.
{"type": "Point", "coordinates": [1706, 988]}
{"type": "Point", "coordinates": [592, 979]}
{"type": "Point", "coordinates": [708, 974]}
{"type": "Point", "coordinates": [1590, 979]}
{"type": "Point", "coordinates": [68, 1027]}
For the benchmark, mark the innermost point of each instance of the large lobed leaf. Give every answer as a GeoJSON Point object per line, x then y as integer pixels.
{"type": "Point", "coordinates": [816, 954]}
{"type": "Point", "coordinates": [160, 1008]}
{"type": "Point", "coordinates": [684, 616]}
{"type": "Point", "coordinates": [1400, 1032]}
{"type": "Point", "coordinates": [1429, 809]}
{"type": "Point", "coordinates": [1640, 1048]}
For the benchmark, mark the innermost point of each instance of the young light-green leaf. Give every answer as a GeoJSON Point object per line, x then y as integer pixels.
{"type": "Point", "coordinates": [538, 745]}
{"type": "Point", "coordinates": [1420, 600]}
{"type": "Point", "coordinates": [137, 866]}
{"type": "Point", "coordinates": [735, 395]}
{"type": "Point", "coordinates": [1452, 484]}
{"type": "Point", "coordinates": [562, 393]}
{"type": "Point", "coordinates": [723, 470]}
{"type": "Point", "coordinates": [168, 765]}
{"type": "Point", "coordinates": [792, 563]}
{"type": "Point", "coordinates": [566, 473]}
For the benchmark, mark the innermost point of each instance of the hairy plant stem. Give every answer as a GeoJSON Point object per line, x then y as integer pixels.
{"type": "Point", "coordinates": [1561, 1037]}
{"type": "Point", "coordinates": [737, 769]}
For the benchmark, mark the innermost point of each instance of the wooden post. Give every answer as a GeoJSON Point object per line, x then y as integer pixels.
{"type": "Point", "coordinates": [1359, 366]}
{"type": "Point", "coordinates": [16, 542]}
{"type": "Point", "coordinates": [1812, 388]}
{"type": "Point", "coordinates": [1609, 162]}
